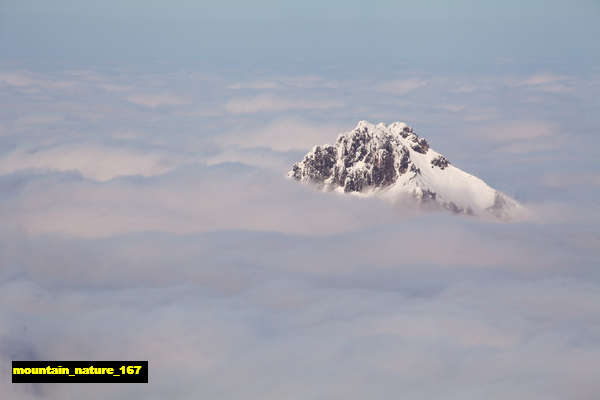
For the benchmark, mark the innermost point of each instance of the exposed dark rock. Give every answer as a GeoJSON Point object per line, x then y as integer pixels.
{"type": "Point", "coordinates": [404, 161]}
{"type": "Point", "coordinates": [428, 195]}
{"type": "Point", "coordinates": [406, 131]}
{"type": "Point", "coordinates": [420, 145]}
{"type": "Point", "coordinates": [415, 169]}
{"type": "Point", "coordinates": [383, 168]}
{"type": "Point", "coordinates": [317, 165]}
{"type": "Point", "coordinates": [296, 172]}
{"type": "Point", "coordinates": [355, 181]}
{"type": "Point", "coordinates": [440, 161]}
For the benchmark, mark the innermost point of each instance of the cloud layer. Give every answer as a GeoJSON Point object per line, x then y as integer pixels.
{"type": "Point", "coordinates": [148, 217]}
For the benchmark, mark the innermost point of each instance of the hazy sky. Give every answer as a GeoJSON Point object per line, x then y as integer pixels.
{"type": "Point", "coordinates": [146, 215]}
{"type": "Point", "coordinates": [337, 37]}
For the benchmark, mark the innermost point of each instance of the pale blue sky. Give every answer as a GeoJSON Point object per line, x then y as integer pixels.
{"type": "Point", "coordinates": [454, 37]}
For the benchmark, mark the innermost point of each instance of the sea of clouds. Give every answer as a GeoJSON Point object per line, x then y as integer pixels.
{"type": "Point", "coordinates": [147, 216]}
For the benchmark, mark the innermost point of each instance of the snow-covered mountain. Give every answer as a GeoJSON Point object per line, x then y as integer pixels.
{"type": "Point", "coordinates": [393, 162]}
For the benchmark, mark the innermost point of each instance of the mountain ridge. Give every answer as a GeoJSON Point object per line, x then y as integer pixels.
{"type": "Point", "coordinates": [392, 161]}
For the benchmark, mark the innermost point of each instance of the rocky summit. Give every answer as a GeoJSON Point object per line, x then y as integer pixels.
{"type": "Point", "coordinates": [392, 161]}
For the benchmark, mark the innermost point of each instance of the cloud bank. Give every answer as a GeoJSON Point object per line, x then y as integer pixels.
{"type": "Point", "coordinates": [164, 233]}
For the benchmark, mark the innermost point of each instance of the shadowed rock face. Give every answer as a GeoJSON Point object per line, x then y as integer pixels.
{"type": "Point", "coordinates": [394, 159]}
{"type": "Point", "coordinates": [319, 163]}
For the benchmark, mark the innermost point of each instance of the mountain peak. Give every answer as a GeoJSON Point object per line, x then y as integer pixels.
{"type": "Point", "coordinates": [393, 161]}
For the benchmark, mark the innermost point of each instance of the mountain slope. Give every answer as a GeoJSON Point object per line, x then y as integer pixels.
{"type": "Point", "coordinates": [393, 161]}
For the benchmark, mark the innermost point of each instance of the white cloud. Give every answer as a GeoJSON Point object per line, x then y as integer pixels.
{"type": "Point", "coordinates": [476, 114]}
{"type": "Point", "coordinates": [281, 314]}
{"type": "Point", "coordinates": [451, 107]}
{"type": "Point", "coordinates": [545, 82]}
{"type": "Point", "coordinates": [518, 130]}
{"type": "Point", "coordinates": [114, 87]}
{"type": "Point", "coordinates": [195, 203]}
{"type": "Point", "coordinates": [540, 79]}
{"type": "Point", "coordinates": [22, 79]}
{"type": "Point", "coordinates": [38, 119]}
{"type": "Point", "coordinates": [466, 88]}
{"type": "Point", "coordinates": [562, 180]}
{"type": "Point", "coordinates": [309, 82]}
{"type": "Point", "coordinates": [261, 85]}
{"type": "Point", "coordinates": [274, 161]}
{"type": "Point", "coordinates": [284, 135]}
{"type": "Point", "coordinates": [93, 162]}
{"type": "Point", "coordinates": [531, 146]}
{"type": "Point", "coordinates": [154, 100]}
{"type": "Point", "coordinates": [400, 87]}
{"type": "Point", "coordinates": [272, 103]}
{"type": "Point", "coordinates": [300, 82]}
{"type": "Point", "coordinates": [521, 137]}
